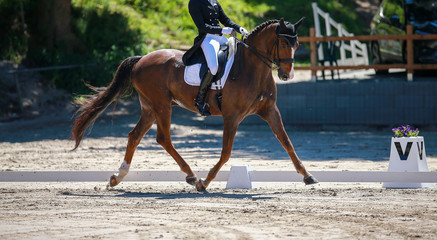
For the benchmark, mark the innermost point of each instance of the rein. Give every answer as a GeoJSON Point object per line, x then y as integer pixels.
{"type": "Point", "coordinates": [266, 60]}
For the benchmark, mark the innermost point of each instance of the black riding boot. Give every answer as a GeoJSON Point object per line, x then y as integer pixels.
{"type": "Point", "coordinates": [200, 100]}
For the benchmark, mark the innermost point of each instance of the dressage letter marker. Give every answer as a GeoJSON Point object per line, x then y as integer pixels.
{"type": "Point", "coordinates": [407, 154]}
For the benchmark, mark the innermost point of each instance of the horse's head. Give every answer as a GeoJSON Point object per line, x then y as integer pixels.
{"type": "Point", "coordinates": [286, 45]}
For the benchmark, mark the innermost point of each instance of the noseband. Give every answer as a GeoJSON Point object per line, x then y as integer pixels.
{"type": "Point", "coordinates": [276, 59]}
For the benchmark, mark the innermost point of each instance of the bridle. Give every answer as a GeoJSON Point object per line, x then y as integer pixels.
{"type": "Point", "coordinates": [276, 59]}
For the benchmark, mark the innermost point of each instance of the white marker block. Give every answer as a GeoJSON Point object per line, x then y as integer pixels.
{"type": "Point", "coordinates": [407, 154]}
{"type": "Point", "coordinates": [239, 178]}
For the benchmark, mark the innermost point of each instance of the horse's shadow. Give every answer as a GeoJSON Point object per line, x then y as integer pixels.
{"type": "Point", "coordinates": [174, 195]}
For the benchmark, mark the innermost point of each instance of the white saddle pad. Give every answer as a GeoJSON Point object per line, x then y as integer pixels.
{"type": "Point", "coordinates": [191, 75]}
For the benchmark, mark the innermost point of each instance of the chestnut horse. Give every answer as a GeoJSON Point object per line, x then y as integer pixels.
{"type": "Point", "coordinates": [158, 77]}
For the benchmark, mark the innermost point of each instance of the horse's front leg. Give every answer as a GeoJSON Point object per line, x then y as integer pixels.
{"type": "Point", "coordinates": [273, 118]}
{"type": "Point", "coordinates": [229, 130]}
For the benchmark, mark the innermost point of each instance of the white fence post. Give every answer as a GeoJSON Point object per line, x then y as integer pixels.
{"type": "Point", "coordinates": [317, 26]}
{"type": "Point", "coordinates": [357, 49]}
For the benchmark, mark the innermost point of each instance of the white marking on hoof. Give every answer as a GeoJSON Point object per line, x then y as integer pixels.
{"type": "Point", "coordinates": [122, 172]}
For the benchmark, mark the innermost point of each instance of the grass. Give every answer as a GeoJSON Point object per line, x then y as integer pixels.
{"type": "Point", "coordinates": [167, 23]}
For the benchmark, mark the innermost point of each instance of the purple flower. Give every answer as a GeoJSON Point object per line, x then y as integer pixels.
{"type": "Point", "coordinates": [405, 131]}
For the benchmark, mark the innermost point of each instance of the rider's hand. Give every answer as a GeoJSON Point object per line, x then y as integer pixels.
{"type": "Point", "coordinates": [243, 31]}
{"type": "Point", "coordinates": [227, 30]}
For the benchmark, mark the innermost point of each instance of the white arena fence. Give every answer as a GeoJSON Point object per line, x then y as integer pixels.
{"type": "Point", "coordinates": [358, 51]}
{"type": "Point", "coordinates": [254, 176]}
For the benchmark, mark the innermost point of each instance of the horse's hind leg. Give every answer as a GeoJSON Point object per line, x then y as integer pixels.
{"type": "Point", "coordinates": [164, 139]}
{"type": "Point", "coordinates": [135, 136]}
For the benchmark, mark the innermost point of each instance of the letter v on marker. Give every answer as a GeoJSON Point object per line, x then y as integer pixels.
{"type": "Point", "coordinates": [420, 150]}
{"type": "Point", "coordinates": [402, 155]}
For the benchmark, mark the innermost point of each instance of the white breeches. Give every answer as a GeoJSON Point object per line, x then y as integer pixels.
{"type": "Point", "coordinates": [210, 46]}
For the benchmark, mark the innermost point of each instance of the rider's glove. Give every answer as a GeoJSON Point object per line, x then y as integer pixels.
{"type": "Point", "coordinates": [227, 30]}
{"type": "Point", "coordinates": [243, 31]}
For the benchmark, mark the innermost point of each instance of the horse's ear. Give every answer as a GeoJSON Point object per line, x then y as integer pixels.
{"type": "Point", "coordinates": [296, 25]}
{"type": "Point", "coordinates": [282, 24]}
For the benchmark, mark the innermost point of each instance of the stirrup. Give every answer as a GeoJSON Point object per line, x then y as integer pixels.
{"type": "Point", "coordinates": [203, 110]}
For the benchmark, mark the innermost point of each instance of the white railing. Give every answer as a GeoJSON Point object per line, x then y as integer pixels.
{"type": "Point", "coordinates": [358, 50]}
{"type": "Point", "coordinates": [255, 176]}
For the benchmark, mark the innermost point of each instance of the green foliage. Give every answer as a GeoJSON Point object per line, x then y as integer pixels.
{"type": "Point", "coordinates": [13, 31]}
{"type": "Point", "coordinates": [108, 31]}
{"type": "Point", "coordinates": [393, 9]}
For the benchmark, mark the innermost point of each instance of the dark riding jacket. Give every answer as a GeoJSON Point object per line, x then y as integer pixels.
{"type": "Point", "coordinates": [206, 14]}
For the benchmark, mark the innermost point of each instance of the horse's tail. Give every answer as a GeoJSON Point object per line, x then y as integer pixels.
{"type": "Point", "coordinates": [94, 105]}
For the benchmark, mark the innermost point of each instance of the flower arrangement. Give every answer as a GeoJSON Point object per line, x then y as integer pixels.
{"type": "Point", "coordinates": [405, 131]}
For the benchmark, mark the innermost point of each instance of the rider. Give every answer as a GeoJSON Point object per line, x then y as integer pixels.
{"type": "Point", "coordinates": [207, 14]}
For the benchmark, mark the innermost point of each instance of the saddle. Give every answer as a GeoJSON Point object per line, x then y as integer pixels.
{"type": "Point", "coordinates": [195, 72]}
{"type": "Point", "coordinates": [222, 57]}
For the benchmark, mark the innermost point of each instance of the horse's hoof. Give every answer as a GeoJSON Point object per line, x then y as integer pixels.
{"type": "Point", "coordinates": [192, 180]}
{"type": "Point", "coordinates": [113, 181]}
{"type": "Point", "coordinates": [310, 180]}
{"type": "Point", "coordinates": [200, 186]}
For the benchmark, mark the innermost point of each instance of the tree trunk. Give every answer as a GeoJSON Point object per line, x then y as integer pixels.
{"type": "Point", "coordinates": [54, 23]}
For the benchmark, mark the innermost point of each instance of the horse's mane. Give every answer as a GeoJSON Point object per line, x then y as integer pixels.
{"type": "Point", "coordinates": [260, 27]}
